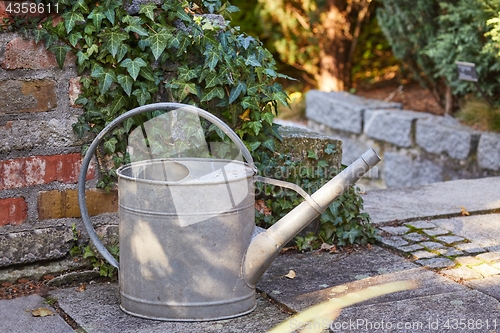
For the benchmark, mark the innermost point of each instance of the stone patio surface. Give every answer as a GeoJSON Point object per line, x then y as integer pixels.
{"type": "Point", "coordinates": [445, 237]}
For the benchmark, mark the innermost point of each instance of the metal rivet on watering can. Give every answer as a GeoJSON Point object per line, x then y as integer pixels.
{"type": "Point", "coordinates": [188, 251]}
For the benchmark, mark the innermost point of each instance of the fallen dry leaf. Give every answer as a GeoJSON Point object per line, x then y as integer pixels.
{"type": "Point", "coordinates": [464, 211]}
{"type": "Point", "coordinates": [42, 312]}
{"type": "Point", "coordinates": [291, 274]}
{"type": "Point", "coordinates": [328, 247]}
{"type": "Point", "coordinates": [261, 208]}
{"type": "Point", "coordinates": [245, 115]}
{"type": "Point", "coordinates": [81, 287]}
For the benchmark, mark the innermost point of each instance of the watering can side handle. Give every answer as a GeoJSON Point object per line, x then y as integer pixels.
{"type": "Point", "coordinates": [167, 106]}
{"type": "Point", "coordinates": [294, 187]}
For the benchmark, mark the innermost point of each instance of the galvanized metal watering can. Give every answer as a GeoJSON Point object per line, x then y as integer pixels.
{"type": "Point", "coordinates": [189, 248]}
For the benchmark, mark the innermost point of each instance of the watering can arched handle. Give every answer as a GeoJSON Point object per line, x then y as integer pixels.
{"type": "Point", "coordinates": [167, 106]}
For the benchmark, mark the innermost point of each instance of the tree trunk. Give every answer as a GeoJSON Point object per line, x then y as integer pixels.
{"type": "Point", "coordinates": [337, 40]}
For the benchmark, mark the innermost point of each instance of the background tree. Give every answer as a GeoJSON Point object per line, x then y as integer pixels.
{"type": "Point", "coordinates": [317, 37]}
{"type": "Point", "coordinates": [429, 36]}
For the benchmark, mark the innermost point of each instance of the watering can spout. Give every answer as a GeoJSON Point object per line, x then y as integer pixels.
{"type": "Point", "coordinates": [265, 247]}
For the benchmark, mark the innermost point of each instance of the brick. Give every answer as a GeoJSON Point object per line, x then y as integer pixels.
{"type": "Point", "coordinates": [13, 211]}
{"type": "Point", "coordinates": [61, 204]}
{"type": "Point", "coordinates": [3, 14]}
{"type": "Point", "coordinates": [75, 89]}
{"type": "Point", "coordinates": [26, 54]}
{"type": "Point", "coordinates": [38, 170]}
{"type": "Point", "coordinates": [27, 96]}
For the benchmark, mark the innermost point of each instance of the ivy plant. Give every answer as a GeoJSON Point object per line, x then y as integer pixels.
{"type": "Point", "coordinates": [175, 51]}
{"type": "Point", "coordinates": [342, 223]}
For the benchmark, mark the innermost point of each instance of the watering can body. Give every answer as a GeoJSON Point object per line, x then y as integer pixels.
{"type": "Point", "coordinates": [188, 251]}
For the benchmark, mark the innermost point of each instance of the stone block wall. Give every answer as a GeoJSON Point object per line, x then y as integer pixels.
{"type": "Point", "coordinates": [416, 147]}
{"type": "Point", "coordinates": [39, 155]}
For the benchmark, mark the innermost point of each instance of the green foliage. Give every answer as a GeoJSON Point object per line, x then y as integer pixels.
{"type": "Point", "coordinates": [105, 269]}
{"type": "Point", "coordinates": [429, 36]}
{"type": "Point", "coordinates": [342, 223]}
{"type": "Point", "coordinates": [317, 38]}
{"type": "Point", "coordinates": [165, 52]}
{"type": "Point", "coordinates": [480, 115]}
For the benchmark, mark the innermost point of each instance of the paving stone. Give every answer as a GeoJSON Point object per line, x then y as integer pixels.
{"type": "Point", "coordinates": [423, 202]}
{"type": "Point", "coordinates": [397, 231]}
{"type": "Point", "coordinates": [462, 273]}
{"type": "Point", "coordinates": [486, 270]}
{"type": "Point", "coordinates": [436, 262]}
{"type": "Point", "coordinates": [97, 310]}
{"type": "Point", "coordinates": [450, 239]}
{"type": "Point", "coordinates": [489, 256]}
{"type": "Point", "coordinates": [489, 286]}
{"type": "Point", "coordinates": [394, 241]}
{"type": "Point", "coordinates": [449, 252]}
{"type": "Point", "coordinates": [470, 248]}
{"type": "Point", "coordinates": [421, 225]}
{"type": "Point", "coordinates": [410, 248]}
{"type": "Point", "coordinates": [436, 231]}
{"type": "Point", "coordinates": [432, 245]}
{"type": "Point", "coordinates": [415, 237]}
{"type": "Point", "coordinates": [468, 261]}
{"type": "Point", "coordinates": [423, 255]}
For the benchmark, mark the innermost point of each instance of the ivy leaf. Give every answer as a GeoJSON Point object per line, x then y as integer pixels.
{"type": "Point", "coordinates": [255, 126]}
{"type": "Point", "coordinates": [110, 145]}
{"type": "Point", "coordinates": [71, 19]}
{"type": "Point", "coordinates": [80, 6]}
{"type": "Point", "coordinates": [125, 82]}
{"type": "Point", "coordinates": [330, 149]}
{"type": "Point", "coordinates": [39, 34]}
{"type": "Point", "coordinates": [110, 14]}
{"type": "Point", "coordinates": [96, 16]}
{"type": "Point", "coordinates": [158, 42]}
{"type": "Point", "coordinates": [113, 40]}
{"type": "Point", "coordinates": [133, 66]}
{"type": "Point", "coordinates": [268, 117]}
{"type": "Point", "coordinates": [82, 58]}
{"type": "Point", "coordinates": [240, 88]}
{"type": "Point", "coordinates": [122, 51]}
{"type": "Point", "coordinates": [212, 80]}
{"type": "Point", "coordinates": [143, 96]}
{"type": "Point", "coordinates": [253, 145]}
{"type": "Point", "coordinates": [252, 60]}
{"type": "Point", "coordinates": [312, 154]}
{"type": "Point", "coordinates": [49, 40]}
{"type": "Point", "coordinates": [148, 10]}
{"type": "Point", "coordinates": [211, 58]}
{"type": "Point", "coordinates": [245, 41]}
{"type": "Point", "coordinates": [281, 97]}
{"type": "Point", "coordinates": [92, 49]}
{"type": "Point", "coordinates": [186, 89]}
{"type": "Point", "coordinates": [119, 102]}
{"type": "Point", "coordinates": [175, 41]}
{"type": "Point", "coordinates": [74, 38]}
{"type": "Point", "coordinates": [183, 15]}
{"type": "Point", "coordinates": [60, 52]}
{"type": "Point", "coordinates": [187, 73]}
{"type": "Point", "coordinates": [215, 92]}
{"type": "Point", "coordinates": [269, 144]}
{"type": "Point", "coordinates": [250, 103]}
{"type": "Point", "coordinates": [105, 78]}
{"type": "Point", "coordinates": [135, 25]}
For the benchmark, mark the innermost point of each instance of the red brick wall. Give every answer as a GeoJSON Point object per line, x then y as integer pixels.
{"type": "Point", "coordinates": [40, 156]}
